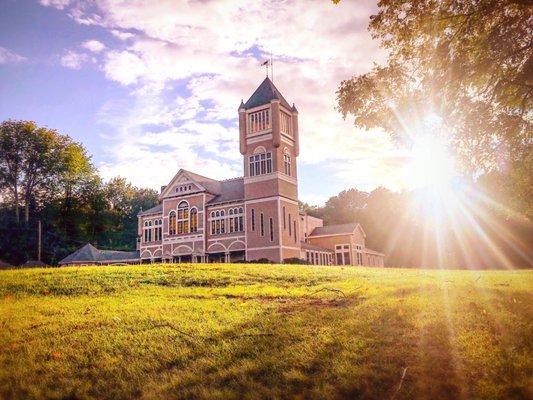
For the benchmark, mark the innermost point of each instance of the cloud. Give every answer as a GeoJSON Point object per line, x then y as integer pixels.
{"type": "Point", "coordinates": [9, 57]}
{"type": "Point", "coordinates": [59, 4]}
{"type": "Point", "coordinates": [73, 60]}
{"type": "Point", "coordinates": [122, 35]}
{"type": "Point", "coordinates": [93, 45]}
{"type": "Point", "coordinates": [210, 53]}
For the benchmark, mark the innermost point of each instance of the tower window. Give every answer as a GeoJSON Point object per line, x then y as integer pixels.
{"type": "Point", "coordinates": [262, 225]}
{"type": "Point", "coordinates": [284, 222]}
{"type": "Point", "coordinates": [260, 164]}
{"type": "Point", "coordinates": [295, 236]}
{"type": "Point", "coordinates": [287, 163]}
{"type": "Point", "coordinates": [290, 225]}
{"type": "Point", "coordinates": [271, 226]}
{"type": "Point", "coordinates": [259, 121]}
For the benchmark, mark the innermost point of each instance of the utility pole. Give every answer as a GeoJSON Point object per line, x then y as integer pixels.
{"type": "Point", "coordinates": [39, 230]}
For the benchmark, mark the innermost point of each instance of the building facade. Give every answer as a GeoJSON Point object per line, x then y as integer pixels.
{"type": "Point", "coordinates": [253, 217]}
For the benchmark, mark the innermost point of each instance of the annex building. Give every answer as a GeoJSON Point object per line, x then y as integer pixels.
{"type": "Point", "coordinates": [253, 217]}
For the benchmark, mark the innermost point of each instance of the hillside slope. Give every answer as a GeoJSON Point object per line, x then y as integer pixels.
{"type": "Point", "coordinates": [262, 331]}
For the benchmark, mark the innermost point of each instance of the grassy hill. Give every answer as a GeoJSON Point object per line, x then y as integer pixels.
{"type": "Point", "coordinates": [262, 331]}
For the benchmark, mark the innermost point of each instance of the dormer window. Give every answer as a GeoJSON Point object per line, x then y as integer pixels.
{"type": "Point", "coordinates": [259, 121]}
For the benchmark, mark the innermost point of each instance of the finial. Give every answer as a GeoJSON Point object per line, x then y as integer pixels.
{"type": "Point", "coordinates": [293, 109]}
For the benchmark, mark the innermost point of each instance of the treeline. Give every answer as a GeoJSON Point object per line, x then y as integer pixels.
{"type": "Point", "coordinates": [466, 229]}
{"type": "Point", "coordinates": [47, 177]}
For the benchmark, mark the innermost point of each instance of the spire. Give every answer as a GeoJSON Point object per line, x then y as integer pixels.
{"type": "Point", "coordinates": [264, 94]}
{"type": "Point", "coordinates": [293, 109]}
{"type": "Point", "coordinates": [241, 107]}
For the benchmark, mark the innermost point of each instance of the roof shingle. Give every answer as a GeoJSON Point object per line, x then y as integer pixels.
{"type": "Point", "coordinates": [334, 230]}
{"type": "Point", "coordinates": [89, 254]}
{"type": "Point", "coordinates": [264, 94]}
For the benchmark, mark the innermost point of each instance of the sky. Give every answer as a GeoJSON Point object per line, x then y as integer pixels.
{"type": "Point", "coordinates": [152, 86]}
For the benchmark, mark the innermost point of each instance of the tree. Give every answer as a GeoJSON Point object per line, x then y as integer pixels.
{"type": "Point", "coordinates": [344, 207]}
{"type": "Point", "coordinates": [468, 61]}
{"type": "Point", "coordinates": [32, 162]}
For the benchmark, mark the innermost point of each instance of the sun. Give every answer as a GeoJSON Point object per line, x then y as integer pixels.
{"type": "Point", "coordinates": [431, 165]}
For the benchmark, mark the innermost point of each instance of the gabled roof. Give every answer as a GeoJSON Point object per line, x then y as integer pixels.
{"type": "Point", "coordinates": [264, 94]}
{"type": "Point", "coordinates": [153, 210]}
{"type": "Point", "coordinates": [230, 190]}
{"type": "Point", "coordinates": [342, 229]}
{"type": "Point", "coordinates": [204, 183]}
{"type": "Point", "coordinates": [89, 253]}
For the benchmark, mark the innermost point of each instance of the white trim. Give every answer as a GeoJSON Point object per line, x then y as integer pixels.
{"type": "Point", "coordinates": [259, 139]}
{"type": "Point", "coordinates": [258, 108]}
{"type": "Point", "coordinates": [287, 139]}
{"type": "Point", "coordinates": [224, 238]}
{"type": "Point", "coordinates": [332, 234]}
{"type": "Point", "coordinates": [263, 199]}
{"type": "Point", "coordinates": [165, 193]}
{"type": "Point", "coordinates": [217, 243]}
{"type": "Point", "coordinates": [260, 178]}
{"type": "Point", "coordinates": [290, 179]}
{"type": "Point", "coordinates": [280, 238]}
{"type": "Point", "coordinates": [264, 248]}
{"type": "Point", "coordinates": [271, 176]}
{"type": "Point", "coordinates": [292, 248]}
{"type": "Point", "coordinates": [236, 241]}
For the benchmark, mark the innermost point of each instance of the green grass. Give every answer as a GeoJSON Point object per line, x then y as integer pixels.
{"type": "Point", "coordinates": [265, 332]}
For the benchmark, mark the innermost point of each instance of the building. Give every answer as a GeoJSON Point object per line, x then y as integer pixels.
{"type": "Point", "coordinates": [254, 217]}
{"type": "Point", "coordinates": [90, 255]}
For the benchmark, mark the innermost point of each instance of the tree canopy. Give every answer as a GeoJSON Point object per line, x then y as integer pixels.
{"type": "Point", "coordinates": [53, 179]}
{"type": "Point", "coordinates": [468, 61]}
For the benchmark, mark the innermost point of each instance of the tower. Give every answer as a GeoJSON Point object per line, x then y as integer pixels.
{"type": "Point", "coordinates": [269, 143]}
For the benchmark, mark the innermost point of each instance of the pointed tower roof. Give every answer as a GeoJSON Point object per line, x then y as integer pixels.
{"type": "Point", "coordinates": [264, 94]}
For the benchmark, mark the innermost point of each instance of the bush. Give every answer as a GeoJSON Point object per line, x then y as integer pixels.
{"type": "Point", "coordinates": [294, 260]}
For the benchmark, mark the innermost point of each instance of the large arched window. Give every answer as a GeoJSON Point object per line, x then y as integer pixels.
{"type": "Point", "coordinates": [260, 163]}
{"type": "Point", "coordinates": [172, 223]}
{"type": "Point", "coordinates": [194, 220]}
{"type": "Point", "coordinates": [183, 217]}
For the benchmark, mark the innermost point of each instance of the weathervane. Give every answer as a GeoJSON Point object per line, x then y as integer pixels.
{"type": "Point", "coordinates": [269, 63]}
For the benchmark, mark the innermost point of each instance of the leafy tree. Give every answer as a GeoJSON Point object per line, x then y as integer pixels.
{"type": "Point", "coordinates": [469, 62]}
{"type": "Point", "coordinates": [53, 176]}
{"type": "Point", "coordinates": [32, 162]}
{"type": "Point", "coordinates": [344, 207]}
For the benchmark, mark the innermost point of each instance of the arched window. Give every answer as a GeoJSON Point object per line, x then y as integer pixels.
{"type": "Point", "coordinates": [260, 163]}
{"type": "Point", "coordinates": [183, 217]}
{"type": "Point", "coordinates": [194, 220]}
{"type": "Point", "coordinates": [172, 223]}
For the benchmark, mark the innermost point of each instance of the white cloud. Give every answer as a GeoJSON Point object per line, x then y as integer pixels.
{"type": "Point", "coordinates": [93, 45]}
{"type": "Point", "coordinates": [59, 4]}
{"type": "Point", "coordinates": [121, 35]}
{"type": "Point", "coordinates": [208, 46]}
{"type": "Point", "coordinates": [124, 67]}
{"type": "Point", "coordinates": [73, 60]}
{"type": "Point", "coordinates": [10, 57]}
